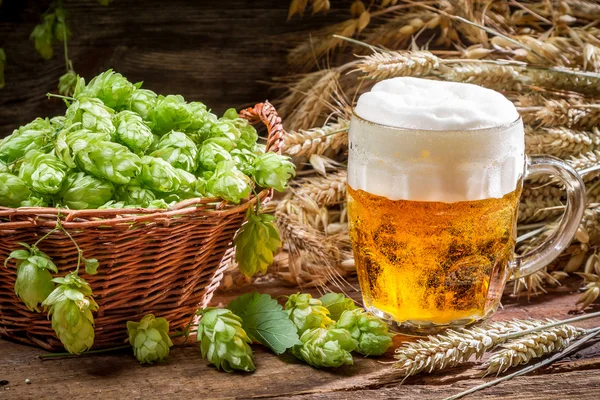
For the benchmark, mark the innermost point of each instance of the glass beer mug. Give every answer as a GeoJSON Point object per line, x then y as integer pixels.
{"type": "Point", "coordinates": [433, 211]}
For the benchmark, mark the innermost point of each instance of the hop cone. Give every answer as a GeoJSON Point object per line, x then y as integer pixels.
{"type": "Point", "coordinates": [229, 183]}
{"type": "Point", "coordinates": [110, 161]}
{"type": "Point", "coordinates": [132, 132]}
{"type": "Point", "coordinates": [211, 154]}
{"type": "Point", "coordinates": [272, 170]}
{"type": "Point", "coordinates": [67, 83]}
{"type": "Point", "coordinates": [307, 313]}
{"type": "Point", "coordinates": [142, 101]}
{"type": "Point", "coordinates": [188, 188]}
{"type": "Point", "coordinates": [69, 142]}
{"type": "Point", "coordinates": [159, 175]}
{"type": "Point", "coordinates": [178, 150]}
{"type": "Point", "coordinates": [92, 114]}
{"type": "Point", "coordinates": [325, 347]}
{"type": "Point", "coordinates": [13, 190]}
{"type": "Point", "coordinates": [112, 88]}
{"type": "Point", "coordinates": [134, 194]}
{"type": "Point", "coordinates": [244, 159]}
{"type": "Point", "coordinates": [28, 137]}
{"type": "Point", "coordinates": [34, 281]}
{"type": "Point", "coordinates": [224, 341]}
{"type": "Point", "coordinates": [71, 307]}
{"type": "Point", "coordinates": [150, 339]}
{"type": "Point", "coordinates": [44, 173]}
{"type": "Point", "coordinates": [247, 133]}
{"type": "Point", "coordinates": [337, 303]}
{"type": "Point", "coordinates": [371, 333]}
{"type": "Point", "coordinates": [170, 113]}
{"type": "Point", "coordinates": [82, 191]}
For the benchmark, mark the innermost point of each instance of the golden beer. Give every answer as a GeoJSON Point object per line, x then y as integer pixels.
{"type": "Point", "coordinates": [432, 262]}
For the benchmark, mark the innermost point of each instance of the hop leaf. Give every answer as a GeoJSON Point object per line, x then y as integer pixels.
{"type": "Point", "coordinates": [371, 333]}
{"type": "Point", "coordinates": [134, 194]}
{"type": "Point", "coordinates": [91, 266]}
{"type": "Point", "coordinates": [325, 347]}
{"type": "Point", "coordinates": [67, 82]}
{"type": "Point", "coordinates": [271, 170]}
{"type": "Point", "coordinates": [337, 303]}
{"type": "Point", "coordinates": [265, 321]}
{"type": "Point", "coordinates": [2, 65]}
{"type": "Point", "coordinates": [142, 101]}
{"type": "Point", "coordinates": [229, 183]}
{"type": "Point", "coordinates": [159, 175]}
{"type": "Point", "coordinates": [178, 150]}
{"type": "Point", "coordinates": [71, 307]}
{"type": "Point", "coordinates": [92, 114]}
{"type": "Point", "coordinates": [34, 281]}
{"type": "Point", "coordinates": [32, 136]}
{"type": "Point", "coordinates": [44, 173]}
{"type": "Point", "coordinates": [13, 190]}
{"type": "Point", "coordinates": [60, 28]}
{"type": "Point", "coordinates": [150, 339]}
{"type": "Point", "coordinates": [256, 243]}
{"type": "Point", "coordinates": [223, 340]}
{"type": "Point", "coordinates": [132, 132]}
{"type": "Point", "coordinates": [307, 312]}
{"type": "Point", "coordinates": [110, 161]}
{"type": "Point", "coordinates": [82, 191]}
{"type": "Point", "coordinates": [43, 36]}
{"type": "Point", "coordinates": [113, 89]}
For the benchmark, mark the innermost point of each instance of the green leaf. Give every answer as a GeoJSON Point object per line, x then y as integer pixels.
{"type": "Point", "coordinates": [91, 266]}
{"type": "Point", "coordinates": [265, 321]}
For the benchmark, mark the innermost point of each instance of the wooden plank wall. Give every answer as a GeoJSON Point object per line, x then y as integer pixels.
{"type": "Point", "coordinates": [217, 52]}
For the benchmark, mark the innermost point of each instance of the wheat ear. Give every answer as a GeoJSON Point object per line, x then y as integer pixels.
{"type": "Point", "coordinates": [324, 190]}
{"type": "Point", "coordinates": [384, 65]}
{"type": "Point", "coordinates": [524, 349]}
{"type": "Point", "coordinates": [304, 143]}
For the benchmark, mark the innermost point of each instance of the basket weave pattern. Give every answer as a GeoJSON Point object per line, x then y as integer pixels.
{"type": "Point", "coordinates": [166, 262]}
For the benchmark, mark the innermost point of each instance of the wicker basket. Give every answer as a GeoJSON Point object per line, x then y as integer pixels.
{"type": "Point", "coordinates": [166, 262]}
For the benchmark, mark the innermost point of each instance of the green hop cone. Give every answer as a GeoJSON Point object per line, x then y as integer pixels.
{"type": "Point", "coordinates": [71, 307]}
{"type": "Point", "coordinates": [92, 114]}
{"type": "Point", "coordinates": [178, 150]}
{"type": "Point", "coordinates": [244, 160]}
{"type": "Point", "coordinates": [307, 312]}
{"type": "Point", "coordinates": [159, 175]}
{"type": "Point", "coordinates": [107, 160]}
{"type": "Point", "coordinates": [4, 168]}
{"type": "Point", "coordinates": [337, 303]}
{"type": "Point", "coordinates": [371, 333]}
{"type": "Point", "coordinates": [70, 141]}
{"type": "Point", "coordinates": [67, 83]}
{"type": "Point", "coordinates": [210, 154]}
{"type": "Point", "coordinates": [112, 88]}
{"type": "Point", "coordinates": [199, 117]}
{"type": "Point", "coordinates": [150, 339]}
{"type": "Point", "coordinates": [132, 132]}
{"type": "Point", "coordinates": [112, 204]}
{"type": "Point", "coordinates": [134, 194]}
{"type": "Point", "coordinates": [32, 136]}
{"type": "Point", "coordinates": [13, 190]}
{"type": "Point", "coordinates": [229, 183]}
{"type": "Point", "coordinates": [81, 191]}
{"type": "Point", "coordinates": [34, 281]}
{"type": "Point", "coordinates": [142, 101]}
{"type": "Point", "coordinates": [170, 113]}
{"type": "Point", "coordinates": [224, 343]}
{"type": "Point", "coordinates": [44, 173]}
{"type": "Point", "coordinates": [271, 170]}
{"type": "Point", "coordinates": [36, 200]}
{"type": "Point", "coordinates": [187, 189]}
{"type": "Point", "coordinates": [325, 347]}
{"type": "Point", "coordinates": [256, 243]}
{"type": "Point", "coordinates": [247, 133]}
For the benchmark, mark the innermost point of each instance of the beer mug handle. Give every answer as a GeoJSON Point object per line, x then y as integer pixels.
{"type": "Point", "coordinates": [546, 252]}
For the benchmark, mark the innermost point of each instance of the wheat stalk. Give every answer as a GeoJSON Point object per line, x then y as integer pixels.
{"type": "Point", "coordinates": [384, 65]}
{"type": "Point", "coordinates": [524, 349]}
{"type": "Point", "coordinates": [570, 112]}
{"type": "Point", "coordinates": [323, 190]}
{"type": "Point", "coordinates": [538, 204]}
{"type": "Point", "coordinates": [455, 347]}
{"type": "Point", "coordinates": [560, 142]}
{"type": "Point", "coordinates": [493, 76]}
{"type": "Point", "coordinates": [304, 143]}
{"type": "Point", "coordinates": [583, 9]}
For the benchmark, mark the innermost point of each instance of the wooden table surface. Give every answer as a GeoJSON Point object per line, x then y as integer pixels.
{"type": "Point", "coordinates": [117, 375]}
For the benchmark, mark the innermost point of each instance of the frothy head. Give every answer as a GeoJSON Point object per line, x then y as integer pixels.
{"type": "Point", "coordinates": [434, 105]}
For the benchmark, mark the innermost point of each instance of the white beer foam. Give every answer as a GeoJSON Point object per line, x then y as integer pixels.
{"type": "Point", "coordinates": [459, 154]}
{"type": "Point", "coordinates": [434, 105]}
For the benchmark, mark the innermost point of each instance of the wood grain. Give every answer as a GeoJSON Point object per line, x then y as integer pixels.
{"type": "Point", "coordinates": [217, 52]}
{"type": "Point", "coordinates": [119, 376]}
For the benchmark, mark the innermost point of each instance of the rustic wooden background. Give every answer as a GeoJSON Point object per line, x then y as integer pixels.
{"type": "Point", "coordinates": [218, 52]}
